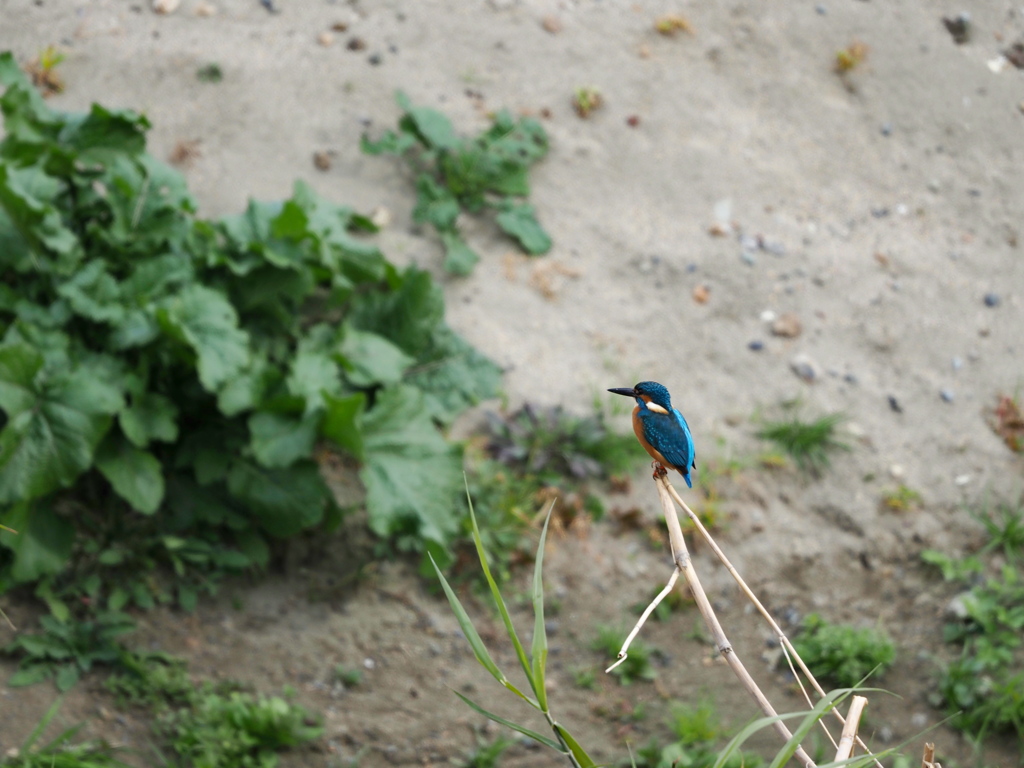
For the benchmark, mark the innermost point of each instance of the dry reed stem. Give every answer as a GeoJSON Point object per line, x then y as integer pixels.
{"type": "Point", "coordinates": [849, 736]}
{"type": "Point", "coordinates": [787, 646]}
{"type": "Point", "coordinates": [928, 761]}
{"type": "Point", "coordinates": [682, 560]}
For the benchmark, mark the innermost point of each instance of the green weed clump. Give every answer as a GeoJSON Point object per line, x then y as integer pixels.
{"type": "Point", "coordinates": [697, 730]}
{"type": "Point", "coordinates": [456, 174]}
{"type": "Point", "coordinates": [841, 653]}
{"type": "Point", "coordinates": [985, 684]}
{"type": "Point", "coordinates": [809, 444]}
{"type": "Point", "coordinates": [637, 665]}
{"type": "Point", "coordinates": [61, 752]}
{"type": "Point", "coordinates": [166, 379]}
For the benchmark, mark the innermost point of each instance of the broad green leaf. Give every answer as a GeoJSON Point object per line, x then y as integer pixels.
{"type": "Point", "coordinates": [313, 369]}
{"type": "Point", "coordinates": [408, 316]}
{"type": "Point", "coordinates": [519, 220]}
{"type": "Point", "coordinates": [433, 127]}
{"type": "Point", "coordinates": [208, 323]}
{"type": "Point", "coordinates": [246, 390]}
{"type": "Point", "coordinates": [42, 544]}
{"type": "Point", "coordinates": [67, 676]}
{"type": "Point", "coordinates": [19, 366]}
{"type": "Point", "coordinates": [509, 724]}
{"type": "Point", "coordinates": [390, 143]}
{"type": "Point", "coordinates": [411, 473]}
{"type": "Point", "coordinates": [279, 440]}
{"type": "Point", "coordinates": [93, 293]}
{"type": "Point", "coordinates": [135, 475]}
{"type": "Point", "coordinates": [152, 278]}
{"type": "Point", "coordinates": [371, 359]}
{"type": "Point", "coordinates": [435, 203]}
{"type": "Point", "coordinates": [342, 422]}
{"type": "Point", "coordinates": [49, 445]}
{"type": "Point", "coordinates": [453, 375]}
{"type": "Point", "coordinates": [285, 501]}
{"type": "Point", "coordinates": [39, 222]}
{"type": "Point", "coordinates": [466, 624]}
{"type": "Point", "coordinates": [30, 675]}
{"type": "Point", "coordinates": [151, 416]}
{"type": "Point", "coordinates": [584, 760]}
{"type": "Point", "coordinates": [459, 258]}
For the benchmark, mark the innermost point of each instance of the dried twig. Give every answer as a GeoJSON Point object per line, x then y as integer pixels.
{"type": "Point", "coordinates": [787, 646]}
{"type": "Point", "coordinates": [846, 741]}
{"type": "Point", "coordinates": [928, 761]}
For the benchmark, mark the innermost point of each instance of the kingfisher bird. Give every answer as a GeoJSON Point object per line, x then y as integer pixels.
{"type": "Point", "coordinates": [660, 428]}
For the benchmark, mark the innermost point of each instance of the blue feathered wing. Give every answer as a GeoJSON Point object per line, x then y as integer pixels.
{"type": "Point", "coordinates": [670, 435]}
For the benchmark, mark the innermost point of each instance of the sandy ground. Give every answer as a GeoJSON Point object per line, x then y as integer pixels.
{"type": "Point", "coordinates": [888, 205]}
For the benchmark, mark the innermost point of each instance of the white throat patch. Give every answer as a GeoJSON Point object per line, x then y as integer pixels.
{"type": "Point", "coordinates": [656, 408]}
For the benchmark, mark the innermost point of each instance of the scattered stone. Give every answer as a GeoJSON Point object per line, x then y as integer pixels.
{"type": "Point", "coordinates": [947, 395]}
{"type": "Point", "coordinates": [958, 26]}
{"type": "Point", "coordinates": [894, 405]}
{"type": "Point", "coordinates": [326, 39]}
{"type": "Point", "coordinates": [269, 5]}
{"type": "Point", "coordinates": [369, 663]}
{"type": "Point", "coordinates": [322, 161]}
{"type": "Point", "coordinates": [380, 216]}
{"type": "Point", "coordinates": [768, 316]}
{"type": "Point", "coordinates": [804, 367]}
{"type": "Point", "coordinates": [206, 9]}
{"type": "Point", "coordinates": [886, 129]}
{"type": "Point", "coordinates": [992, 299]}
{"type": "Point", "coordinates": [788, 326]}
{"type": "Point", "coordinates": [961, 480]}
{"type": "Point", "coordinates": [356, 44]}
{"type": "Point", "coordinates": [633, 121]}
{"type": "Point", "coordinates": [820, 9]}
{"type": "Point", "coordinates": [552, 24]}
{"type": "Point", "coordinates": [339, 26]}
{"type": "Point", "coordinates": [375, 59]}
{"type": "Point", "coordinates": [165, 7]}
{"type": "Point", "coordinates": [1015, 54]}
{"type": "Point", "coordinates": [897, 472]}
{"type": "Point", "coordinates": [755, 345]}
{"type": "Point", "coordinates": [748, 258]}
{"type": "Point", "coordinates": [850, 378]}
{"type": "Point", "coordinates": [957, 363]}
{"type": "Point", "coordinates": [701, 294]}
{"type": "Point", "coordinates": [956, 609]}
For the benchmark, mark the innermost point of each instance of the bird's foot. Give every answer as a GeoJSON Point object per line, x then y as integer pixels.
{"type": "Point", "coordinates": [658, 471]}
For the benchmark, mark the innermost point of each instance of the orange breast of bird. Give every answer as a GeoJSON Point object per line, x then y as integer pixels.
{"type": "Point", "coordinates": [638, 430]}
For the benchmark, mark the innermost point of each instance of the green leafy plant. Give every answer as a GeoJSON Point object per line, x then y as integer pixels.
{"type": "Point", "coordinates": [808, 443]}
{"type": "Point", "coordinates": [986, 683]}
{"type": "Point", "coordinates": [210, 73]}
{"type": "Point", "coordinates": [60, 752]}
{"type": "Point", "coordinates": [534, 665]}
{"type": "Point", "coordinates": [637, 665]}
{"type": "Point", "coordinates": [455, 174]}
{"type": "Point", "coordinates": [151, 680]}
{"type": "Point", "coordinates": [901, 498]}
{"type": "Point", "coordinates": [487, 753]}
{"type": "Point", "coordinates": [841, 653]}
{"type": "Point", "coordinates": [350, 677]}
{"type": "Point", "coordinates": [169, 377]}
{"type": "Point", "coordinates": [238, 730]}
{"type": "Point", "coordinates": [1004, 529]}
{"type": "Point", "coordinates": [696, 730]}
{"type": "Point", "coordinates": [63, 651]}
{"type": "Point", "coordinates": [952, 568]}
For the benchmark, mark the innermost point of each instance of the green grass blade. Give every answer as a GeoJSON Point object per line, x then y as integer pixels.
{"type": "Point", "coordinates": [539, 647]}
{"type": "Point", "coordinates": [466, 624]}
{"type": "Point", "coordinates": [514, 726]}
{"type": "Point", "coordinates": [832, 699]}
{"type": "Point", "coordinates": [41, 726]}
{"type": "Point", "coordinates": [496, 593]}
{"type": "Point", "coordinates": [578, 752]}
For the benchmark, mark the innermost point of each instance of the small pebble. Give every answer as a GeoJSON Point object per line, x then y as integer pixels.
{"type": "Point", "coordinates": [897, 472]}
{"type": "Point", "coordinates": [804, 367]}
{"type": "Point", "coordinates": [356, 44]}
{"type": "Point", "coordinates": [947, 395]}
{"type": "Point", "coordinates": [551, 24]}
{"type": "Point", "coordinates": [768, 316]}
{"type": "Point", "coordinates": [326, 39]}
{"type": "Point", "coordinates": [165, 7]}
{"type": "Point", "coordinates": [691, 268]}
{"type": "Point", "coordinates": [787, 325]}
{"type": "Point", "coordinates": [820, 9]}
{"type": "Point", "coordinates": [919, 720]}
{"type": "Point", "coordinates": [375, 59]}
{"type": "Point", "coordinates": [992, 299]}
{"type": "Point", "coordinates": [894, 405]}
{"type": "Point", "coordinates": [748, 257]}
{"type": "Point", "coordinates": [755, 345]}
{"type": "Point", "coordinates": [961, 480]}
{"type": "Point", "coordinates": [850, 378]}
{"type": "Point", "coordinates": [633, 121]}
{"type": "Point", "coordinates": [886, 129]}
{"type": "Point", "coordinates": [369, 663]}
{"type": "Point", "coordinates": [957, 363]}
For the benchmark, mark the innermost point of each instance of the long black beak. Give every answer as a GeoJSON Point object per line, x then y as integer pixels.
{"type": "Point", "coordinates": [627, 391]}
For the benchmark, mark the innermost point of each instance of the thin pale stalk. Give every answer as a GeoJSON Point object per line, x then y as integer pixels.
{"type": "Point", "coordinates": [849, 737]}
{"type": "Point", "coordinates": [787, 646]}
{"type": "Point", "coordinates": [685, 565]}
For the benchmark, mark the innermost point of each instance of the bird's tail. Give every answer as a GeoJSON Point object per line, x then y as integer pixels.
{"type": "Point", "coordinates": [686, 477]}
